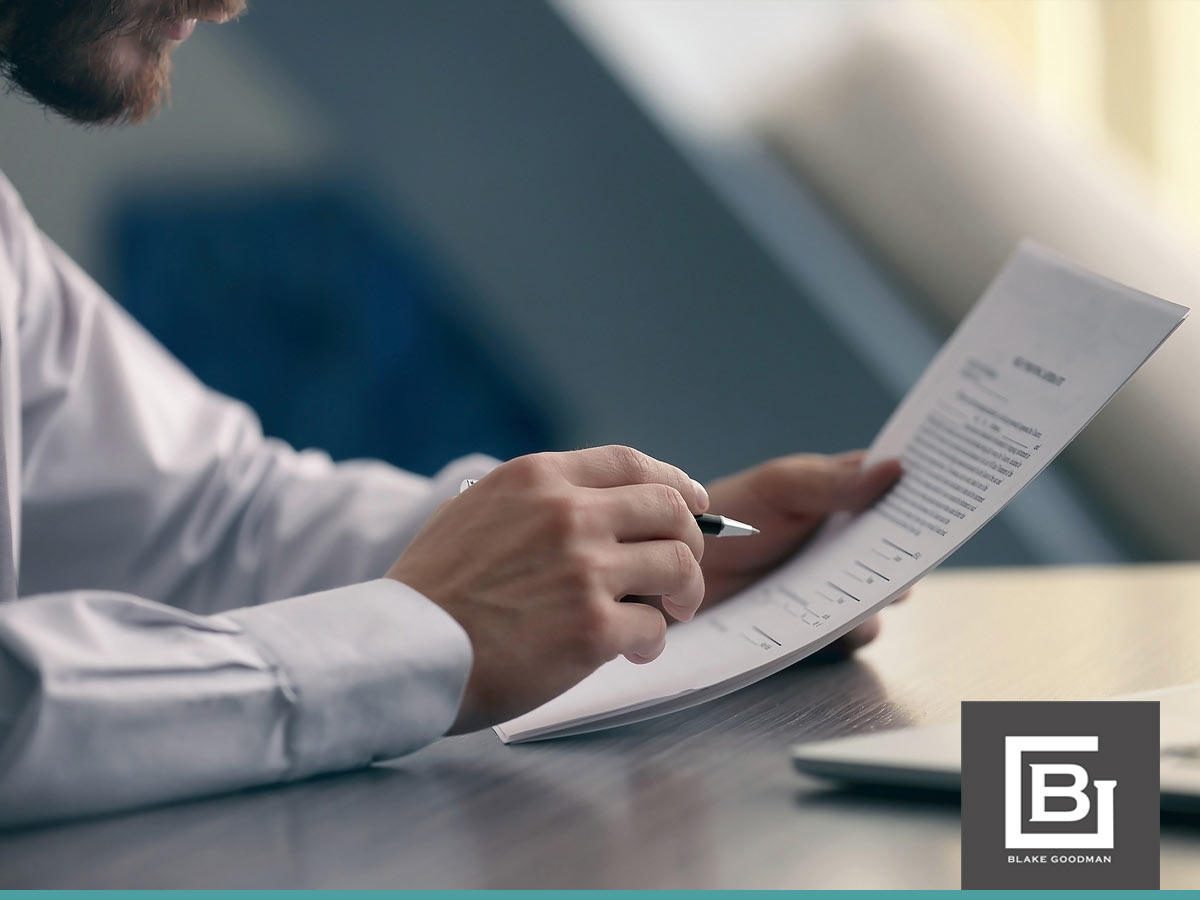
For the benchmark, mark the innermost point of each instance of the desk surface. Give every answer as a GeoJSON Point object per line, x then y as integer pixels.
{"type": "Point", "coordinates": [703, 798]}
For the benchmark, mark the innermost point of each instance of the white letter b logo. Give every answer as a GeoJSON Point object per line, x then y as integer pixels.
{"type": "Point", "coordinates": [1074, 791]}
{"type": "Point", "coordinates": [1015, 836]}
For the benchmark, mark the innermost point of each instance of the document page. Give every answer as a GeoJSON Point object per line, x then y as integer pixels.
{"type": "Point", "coordinates": [1040, 354]}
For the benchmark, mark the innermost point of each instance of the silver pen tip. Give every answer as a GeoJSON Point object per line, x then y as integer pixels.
{"type": "Point", "coordinates": [733, 527]}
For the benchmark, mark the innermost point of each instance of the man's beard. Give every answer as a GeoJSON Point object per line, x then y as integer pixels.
{"type": "Point", "coordinates": [64, 53]}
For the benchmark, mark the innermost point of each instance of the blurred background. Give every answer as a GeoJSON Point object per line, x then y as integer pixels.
{"type": "Point", "coordinates": [717, 230]}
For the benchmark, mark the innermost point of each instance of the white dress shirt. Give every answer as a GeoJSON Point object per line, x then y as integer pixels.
{"type": "Point", "coordinates": [201, 608]}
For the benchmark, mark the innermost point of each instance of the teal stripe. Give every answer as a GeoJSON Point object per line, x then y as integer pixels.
{"type": "Point", "coordinates": [549, 895]}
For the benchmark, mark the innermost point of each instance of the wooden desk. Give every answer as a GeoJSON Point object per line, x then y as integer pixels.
{"type": "Point", "coordinates": [704, 798]}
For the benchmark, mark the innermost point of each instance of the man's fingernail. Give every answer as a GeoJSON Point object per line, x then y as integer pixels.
{"type": "Point", "coordinates": [678, 611]}
{"type": "Point", "coordinates": [701, 494]}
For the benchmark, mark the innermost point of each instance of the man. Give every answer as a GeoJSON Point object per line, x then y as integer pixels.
{"type": "Point", "coordinates": [204, 609]}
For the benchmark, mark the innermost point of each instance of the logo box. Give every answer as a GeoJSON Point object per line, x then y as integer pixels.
{"type": "Point", "coordinates": [1060, 795]}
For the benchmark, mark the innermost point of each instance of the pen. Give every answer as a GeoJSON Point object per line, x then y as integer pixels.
{"type": "Point", "coordinates": [723, 526]}
{"type": "Point", "coordinates": [717, 526]}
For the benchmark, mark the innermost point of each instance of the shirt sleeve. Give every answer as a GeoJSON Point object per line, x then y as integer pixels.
{"type": "Point", "coordinates": [109, 702]}
{"type": "Point", "coordinates": [139, 479]}
{"type": "Point", "coordinates": [269, 647]}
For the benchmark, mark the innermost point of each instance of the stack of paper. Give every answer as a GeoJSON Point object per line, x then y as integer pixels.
{"type": "Point", "coordinates": [1042, 352]}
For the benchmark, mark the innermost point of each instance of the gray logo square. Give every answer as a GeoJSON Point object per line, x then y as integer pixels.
{"type": "Point", "coordinates": [1060, 795]}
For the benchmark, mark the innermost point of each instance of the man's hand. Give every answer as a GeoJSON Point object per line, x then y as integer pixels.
{"type": "Point", "coordinates": [533, 562]}
{"type": "Point", "coordinates": [786, 499]}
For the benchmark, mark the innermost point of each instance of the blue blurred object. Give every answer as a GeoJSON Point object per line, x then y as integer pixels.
{"type": "Point", "coordinates": [338, 333]}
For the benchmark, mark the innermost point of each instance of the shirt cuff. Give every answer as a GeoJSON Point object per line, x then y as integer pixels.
{"type": "Point", "coordinates": [366, 672]}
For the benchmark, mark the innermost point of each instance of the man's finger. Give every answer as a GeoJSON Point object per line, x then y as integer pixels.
{"type": "Point", "coordinates": [862, 634]}
{"type": "Point", "coordinates": [824, 484]}
{"type": "Point", "coordinates": [660, 568]}
{"type": "Point", "coordinates": [640, 632]}
{"type": "Point", "coordinates": [648, 512]}
{"type": "Point", "coordinates": [617, 466]}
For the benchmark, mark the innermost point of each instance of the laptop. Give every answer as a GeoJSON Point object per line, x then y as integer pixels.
{"type": "Point", "coordinates": [927, 757]}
